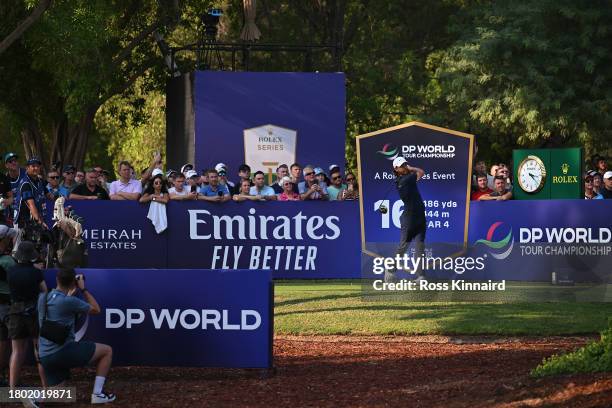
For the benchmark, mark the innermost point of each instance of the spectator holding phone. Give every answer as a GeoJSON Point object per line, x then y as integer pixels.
{"type": "Point", "coordinates": [352, 187]}
{"type": "Point", "coordinates": [214, 192]}
{"type": "Point", "coordinates": [311, 188]}
{"type": "Point", "coordinates": [180, 191]}
{"type": "Point", "coordinates": [62, 307]}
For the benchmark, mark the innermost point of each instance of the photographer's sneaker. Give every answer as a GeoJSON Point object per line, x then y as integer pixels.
{"type": "Point", "coordinates": [103, 398]}
{"type": "Point", "coordinates": [29, 403]}
{"type": "Point", "coordinates": [391, 277]}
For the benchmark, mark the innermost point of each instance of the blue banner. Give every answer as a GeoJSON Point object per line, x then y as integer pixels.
{"type": "Point", "coordinates": [529, 240]}
{"type": "Point", "coordinates": [296, 240]}
{"type": "Point", "coordinates": [308, 106]}
{"type": "Point", "coordinates": [444, 155]}
{"type": "Point", "coordinates": [316, 240]}
{"type": "Point", "coordinates": [119, 235]}
{"type": "Point", "coordinates": [195, 318]}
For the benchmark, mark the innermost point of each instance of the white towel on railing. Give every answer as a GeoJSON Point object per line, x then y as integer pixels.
{"type": "Point", "coordinates": [157, 215]}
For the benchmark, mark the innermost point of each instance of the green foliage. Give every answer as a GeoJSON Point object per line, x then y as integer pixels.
{"type": "Point", "coordinates": [592, 358]}
{"type": "Point", "coordinates": [524, 73]}
{"type": "Point", "coordinates": [134, 127]}
{"type": "Point", "coordinates": [531, 73]}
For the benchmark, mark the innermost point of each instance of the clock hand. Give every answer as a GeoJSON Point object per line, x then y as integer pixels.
{"type": "Point", "coordinates": [532, 176]}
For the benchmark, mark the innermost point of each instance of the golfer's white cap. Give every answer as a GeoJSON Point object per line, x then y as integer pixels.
{"type": "Point", "coordinates": [608, 174]}
{"type": "Point", "coordinates": [399, 162]}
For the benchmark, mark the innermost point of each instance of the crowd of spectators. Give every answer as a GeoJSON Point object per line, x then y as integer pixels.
{"type": "Point", "coordinates": [496, 183]}
{"type": "Point", "coordinates": [290, 183]}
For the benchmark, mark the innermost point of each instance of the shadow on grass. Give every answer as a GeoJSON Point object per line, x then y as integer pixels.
{"type": "Point", "coordinates": [302, 300]}
{"type": "Point", "coordinates": [515, 319]}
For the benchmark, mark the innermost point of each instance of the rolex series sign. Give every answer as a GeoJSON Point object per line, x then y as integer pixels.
{"type": "Point", "coordinates": [543, 174]}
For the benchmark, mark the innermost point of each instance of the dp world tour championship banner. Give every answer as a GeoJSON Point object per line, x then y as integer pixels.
{"type": "Point", "coordinates": [266, 119]}
{"type": "Point", "coordinates": [444, 155]}
{"type": "Point", "coordinates": [543, 240]}
{"type": "Point", "coordinates": [197, 318]}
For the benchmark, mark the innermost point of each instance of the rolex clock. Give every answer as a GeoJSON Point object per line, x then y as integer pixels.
{"type": "Point", "coordinates": [531, 174]}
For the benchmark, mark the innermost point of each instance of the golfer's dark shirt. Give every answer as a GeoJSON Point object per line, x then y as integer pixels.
{"type": "Point", "coordinates": [409, 193]}
{"type": "Point", "coordinates": [24, 282]}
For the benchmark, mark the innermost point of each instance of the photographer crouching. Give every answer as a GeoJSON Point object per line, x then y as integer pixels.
{"type": "Point", "coordinates": [58, 350]}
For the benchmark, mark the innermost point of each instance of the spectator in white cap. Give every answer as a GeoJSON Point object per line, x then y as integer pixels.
{"type": "Point", "coordinates": [192, 181]}
{"type": "Point", "coordinates": [310, 188]}
{"type": "Point", "coordinates": [222, 171]}
{"type": "Point", "coordinates": [288, 193]}
{"type": "Point", "coordinates": [185, 168]}
{"type": "Point", "coordinates": [332, 167]}
{"type": "Point", "coordinates": [321, 176]}
{"type": "Point", "coordinates": [260, 189]}
{"type": "Point", "coordinates": [170, 176]}
{"type": "Point", "coordinates": [606, 191]}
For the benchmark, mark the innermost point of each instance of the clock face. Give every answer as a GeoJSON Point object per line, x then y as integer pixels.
{"type": "Point", "coordinates": [531, 174]}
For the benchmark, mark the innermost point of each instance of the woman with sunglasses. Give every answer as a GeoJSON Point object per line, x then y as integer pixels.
{"type": "Point", "coordinates": [352, 187]}
{"type": "Point", "coordinates": [156, 191]}
{"type": "Point", "coordinates": [589, 192]}
{"type": "Point", "coordinates": [288, 194]}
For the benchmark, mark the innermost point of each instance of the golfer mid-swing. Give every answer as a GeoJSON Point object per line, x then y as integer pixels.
{"type": "Point", "coordinates": [412, 220]}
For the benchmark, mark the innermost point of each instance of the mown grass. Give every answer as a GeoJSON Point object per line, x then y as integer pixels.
{"type": "Point", "coordinates": [338, 307]}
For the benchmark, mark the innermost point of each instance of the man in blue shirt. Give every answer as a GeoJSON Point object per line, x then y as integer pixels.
{"type": "Point", "coordinates": [213, 191]}
{"type": "Point", "coordinates": [62, 306]}
{"type": "Point", "coordinates": [260, 189]}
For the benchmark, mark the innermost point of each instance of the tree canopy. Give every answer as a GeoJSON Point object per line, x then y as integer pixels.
{"type": "Point", "coordinates": [84, 79]}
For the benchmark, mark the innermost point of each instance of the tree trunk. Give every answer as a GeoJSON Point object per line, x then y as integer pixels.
{"type": "Point", "coordinates": [33, 144]}
{"type": "Point", "coordinates": [68, 140]}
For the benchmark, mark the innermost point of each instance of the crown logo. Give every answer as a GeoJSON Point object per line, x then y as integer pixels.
{"type": "Point", "coordinates": [565, 168]}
